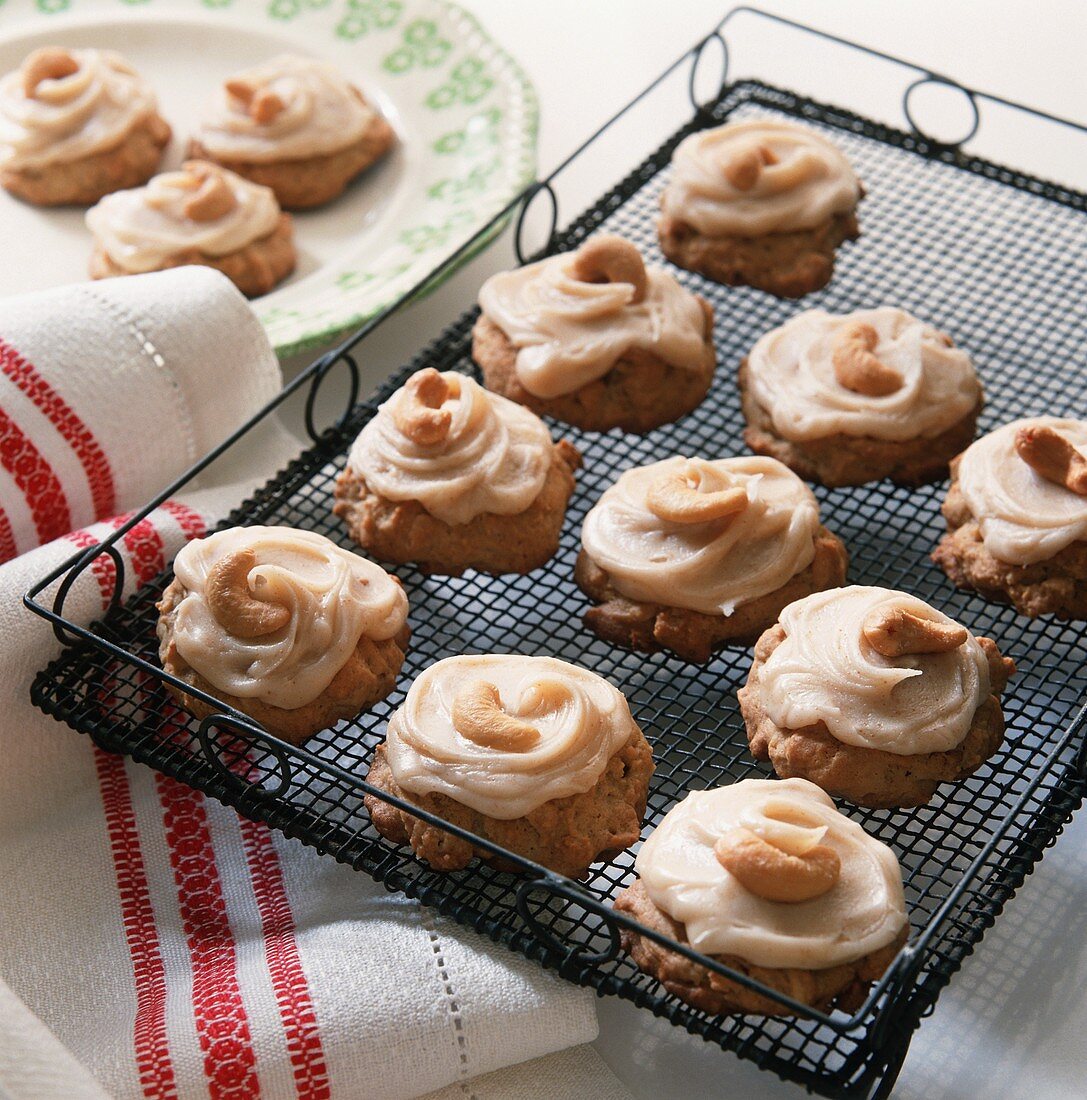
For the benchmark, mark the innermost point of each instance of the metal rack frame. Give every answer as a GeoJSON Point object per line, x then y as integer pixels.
{"type": "Point", "coordinates": [109, 685]}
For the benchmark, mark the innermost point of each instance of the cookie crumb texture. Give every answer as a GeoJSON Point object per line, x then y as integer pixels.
{"type": "Point", "coordinates": [692, 635]}
{"type": "Point", "coordinates": [565, 834]}
{"type": "Point", "coordinates": [1057, 586]}
{"type": "Point", "coordinates": [841, 987]}
{"type": "Point", "coordinates": [404, 531]}
{"type": "Point", "coordinates": [866, 776]}
{"type": "Point", "coordinates": [640, 393]}
{"type": "Point", "coordinates": [788, 265]}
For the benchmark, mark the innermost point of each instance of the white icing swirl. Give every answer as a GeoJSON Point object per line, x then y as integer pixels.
{"type": "Point", "coordinates": [494, 459]}
{"type": "Point", "coordinates": [581, 720]}
{"type": "Point", "coordinates": [144, 227]}
{"type": "Point", "coordinates": [334, 598]}
{"type": "Point", "coordinates": [86, 112]}
{"type": "Point", "coordinates": [826, 671]}
{"type": "Point", "coordinates": [1023, 517]}
{"type": "Point", "coordinates": [569, 333]}
{"type": "Point", "coordinates": [715, 566]}
{"type": "Point", "coordinates": [322, 113]}
{"type": "Point", "coordinates": [863, 912]}
{"type": "Point", "coordinates": [791, 374]}
{"type": "Point", "coordinates": [808, 181]}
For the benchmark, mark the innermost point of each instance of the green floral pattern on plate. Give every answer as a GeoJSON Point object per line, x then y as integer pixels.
{"type": "Point", "coordinates": [465, 105]}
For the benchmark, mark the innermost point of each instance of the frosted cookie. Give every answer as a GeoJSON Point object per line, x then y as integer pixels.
{"type": "Point", "coordinates": [295, 125]}
{"type": "Point", "coordinates": [857, 397]}
{"type": "Point", "coordinates": [451, 477]}
{"type": "Point", "coordinates": [759, 203]}
{"type": "Point", "coordinates": [536, 755]}
{"type": "Point", "coordinates": [284, 626]}
{"type": "Point", "coordinates": [874, 695]}
{"type": "Point", "coordinates": [596, 338]}
{"type": "Point", "coordinates": [202, 215]}
{"type": "Point", "coordinates": [1017, 517]}
{"type": "Point", "coordinates": [689, 554]}
{"type": "Point", "coordinates": [76, 125]}
{"type": "Point", "coordinates": [768, 878]}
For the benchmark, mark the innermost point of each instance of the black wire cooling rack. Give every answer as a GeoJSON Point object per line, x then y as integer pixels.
{"type": "Point", "coordinates": [997, 259]}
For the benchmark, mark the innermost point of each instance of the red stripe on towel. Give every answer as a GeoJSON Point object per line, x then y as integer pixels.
{"type": "Point", "coordinates": [82, 441]}
{"type": "Point", "coordinates": [37, 481]}
{"type": "Point", "coordinates": [8, 549]}
{"type": "Point", "coordinates": [222, 1024]}
{"type": "Point", "coordinates": [304, 1047]}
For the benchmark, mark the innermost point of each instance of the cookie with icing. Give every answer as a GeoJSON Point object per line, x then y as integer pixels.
{"type": "Point", "coordinates": [759, 203]}
{"type": "Point", "coordinates": [76, 125]}
{"type": "Point", "coordinates": [282, 625]}
{"type": "Point", "coordinates": [202, 215]}
{"type": "Point", "coordinates": [296, 125]}
{"type": "Point", "coordinates": [845, 399]}
{"type": "Point", "coordinates": [874, 695]}
{"type": "Point", "coordinates": [531, 753]}
{"type": "Point", "coordinates": [451, 477]}
{"type": "Point", "coordinates": [1016, 517]}
{"type": "Point", "coordinates": [689, 555]}
{"type": "Point", "coordinates": [771, 880]}
{"type": "Point", "coordinates": [596, 338]}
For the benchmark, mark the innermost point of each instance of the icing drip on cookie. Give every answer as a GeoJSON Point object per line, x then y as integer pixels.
{"type": "Point", "coordinates": [286, 109]}
{"type": "Point", "coordinates": [457, 449]}
{"type": "Point", "coordinates": [1024, 517]}
{"type": "Point", "coordinates": [571, 322]}
{"type": "Point", "coordinates": [272, 613]}
{"type": "Point", "coordinates": [814, 376]}
{"type": "Point", "coordinates": [63, 105]}
{"type": "Point", "coordinates": [748, 179]}
{"type": "Point", "coordinates": [504, 734]}
{"type": "Point", "coordinates": [675, 532]}
{"type": "Point", "coordinates": [861, 911]}
{"type": "Point", "coordinates": [833, 667]}
{"type": "Point", "coordinates": [201, 208]}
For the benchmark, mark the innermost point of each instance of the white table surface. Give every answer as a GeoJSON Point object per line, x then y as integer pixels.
{"type": "Point", "coordinates": [1012, 1023]}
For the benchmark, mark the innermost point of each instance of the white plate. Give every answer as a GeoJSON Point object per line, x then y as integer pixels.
{"type": "Point", "coordinates": [465, 113]}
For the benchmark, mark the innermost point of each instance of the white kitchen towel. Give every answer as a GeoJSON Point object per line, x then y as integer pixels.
{"type": "Point", "coordinates": [109, 389]}
{"type": "Point", "coordinates": [177, 950]}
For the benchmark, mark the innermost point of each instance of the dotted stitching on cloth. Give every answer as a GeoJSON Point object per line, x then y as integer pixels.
{"type": "Point", "coordinates": [454, 1006]}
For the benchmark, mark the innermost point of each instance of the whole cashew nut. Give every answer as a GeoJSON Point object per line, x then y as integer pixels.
{"type": "Point", "coordinates": [262, 105]}
{"type": "Point", "coordinates": [672, 498]}
{"type": "Point", "coordinates": [214, 197]}
{"type": "Point", "coordinates": [49, 63]}
{"type": "Point", "coordinates": [611, 259]}
{"type": "Point", "coordinates": [895, 632]}
{"type": "Point", "coordinates": [478, 715]}
{"type": "Point", "coordinates": [775, 875]}
{"type": "Point", "coordinates": [419, 413]}
{"type": "Point", "coordinates": [1053, 457]}
{"type": "Point", "coordinates": [233, 604]}
{"type": "Point", "coordinates": [856, 366]}
{"type": "Point", "coordinates": [743, 171]}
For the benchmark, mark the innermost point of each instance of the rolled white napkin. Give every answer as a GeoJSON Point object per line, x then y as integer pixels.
{"type": "Point", "coordinates": [109, 389]}
{"type": "Point", "coordinates": [174, 949]}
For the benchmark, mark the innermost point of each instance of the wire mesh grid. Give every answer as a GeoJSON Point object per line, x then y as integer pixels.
{"type": "Point", "coordinates": [993, 258]}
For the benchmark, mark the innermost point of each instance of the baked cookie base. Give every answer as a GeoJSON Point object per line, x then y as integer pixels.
{"type": "Point", "coordinates": [565, 834]}
{"type": "Point", "coordinates": [639, 393]}
{"type": "Point", "coordinates": [865, 776]}
{"type": "Point", "coordinates": [367, 676]}
{"type": "Point", "coordinates": [1057, 586]}
{"type": "Point", "coordinates": [254, 270]}
{"type": "Point", "coordinates": [788, 265]}
{"type": "Point", "coordinates": [404, 531]}
{"type": "Point", "coordinates": [693, 635]}
{"type": "Point", "coordinates": [843, 987]}
{"type": "Point", "coordinates": [839, 459]}
{"type": "Point", "coordinates": [311, 181]}
{"type": "Point", "coordinates": [130, 163]}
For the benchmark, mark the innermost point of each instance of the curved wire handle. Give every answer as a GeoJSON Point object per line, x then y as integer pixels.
{"type": "Point", "coordinates": [560, 889]}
